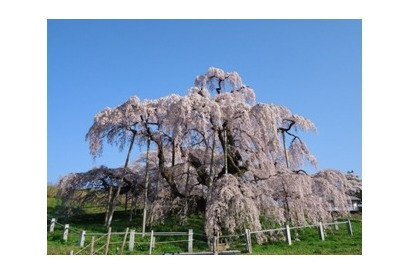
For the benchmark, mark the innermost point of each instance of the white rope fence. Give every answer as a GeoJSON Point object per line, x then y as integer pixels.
{"type": "Point", "coordinates": [130, 234]}
{"type": "Point", "coordinates": [214, 242]}
{"type": "Point", "coordinates": [287, 232]}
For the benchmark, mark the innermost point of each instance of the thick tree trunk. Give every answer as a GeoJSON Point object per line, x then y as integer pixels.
{"type": "Point", "coordinates": [126, 201]}
{"type": "Point", "coordinates": [231, 157]}
{"type": "Point", "coordinates": [165, 173]}
{"type": "Point", "coordinates": [186, 194]}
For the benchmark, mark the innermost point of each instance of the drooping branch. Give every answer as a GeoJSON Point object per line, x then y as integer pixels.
{"type": "Point", "coordinates": [283, 130]}
{"type": "Point", "coordinates": [218, 89]}
{"type": "Point", "coordinates": [292, 122]}
{"type": "Point", "coordinates": [300, 171]}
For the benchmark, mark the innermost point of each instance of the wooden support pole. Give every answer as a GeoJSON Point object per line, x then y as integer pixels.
{"type": "Point", "coordinates": [107, 245]}
{"type": "Point", "coordinates": [144, 216]}
{"type": "Point", "coordinates": [288, 236]}
{"type": "Point", "coordinates": [215, 245]}
{"type": "Point", "coordinates": [65, 234]}
{"type": "Point", "coordinates": [132, 240]}
{"type": "Point", "coordinates": [349, 228]}
{"type": "Point", "coordinates": [151, 242]}
{"type": "Point", "coordinates": [226, 152]}
{"type": "Point", "coordinates": [321, 232]}
{"type": "Point", "coordinates": [125, 239]}
{"type": "Point", "coordinates": [190, 240]}
{"type": "Point", "coordinates": [248, 241]}
{"type": "Point", "coordinates": [81, 239]}
{"type": "Point", "coordinates": [92, 245]}
{"type": "Point", "coordinates": [53, 224]}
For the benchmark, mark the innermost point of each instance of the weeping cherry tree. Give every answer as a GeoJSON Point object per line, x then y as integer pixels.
{"type": "Point", "coordinates": [220, 153]}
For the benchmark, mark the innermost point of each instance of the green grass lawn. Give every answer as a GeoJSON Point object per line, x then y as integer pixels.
{"type": "Point", "coordinates": [90, 219]}
{"type": "Point", "coordinates": [337, 242]}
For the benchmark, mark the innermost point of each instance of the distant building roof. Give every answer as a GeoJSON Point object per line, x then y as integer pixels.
{"type": "Point", "coordinates": [353, 198]}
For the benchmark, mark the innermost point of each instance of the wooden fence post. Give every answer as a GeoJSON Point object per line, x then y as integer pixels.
{"type": "Point", "coordinates": [336, 224]}
{"type": "Point", "coordinates": [92, 245]}
{"type": "Point", "coordinates": [107, 246]}
{"type": "Point", "coordinates": [53, 224]}
{"type": "Point", "coordinates": [321, 233]}
{"type": "Point", "coordinates": [190, 240]}
{"type": "Point", "coordinates": [288, 236]}
{"type": "Point", "coordinates": [71, 252]}
{"type": "Point", "coordinates": [248, 241]}
{"type": "Point", "coordinates": [132, 238]}
{"type": "Point", "coordinates": [151, 242]}
{"type": "Point", "coordinates": [349, 228]}
{"type": "Point", "coordinates": [81, 239]}
{"type": "Point", "coordinates": [65, 234]}
{"type": "Point", "coordinates": [125, 239]}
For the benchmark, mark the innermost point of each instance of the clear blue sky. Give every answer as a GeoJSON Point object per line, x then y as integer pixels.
{"type": "Point", "coordinates": [313, 67]}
